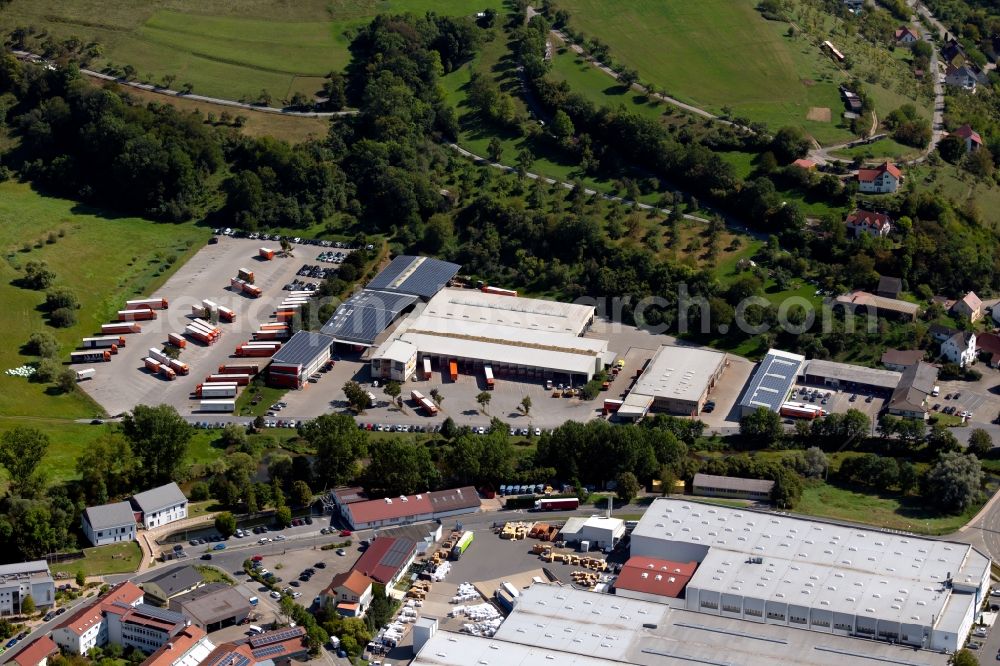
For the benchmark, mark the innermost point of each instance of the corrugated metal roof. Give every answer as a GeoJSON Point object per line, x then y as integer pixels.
{"type": "Point", "coordinates": [732, 483]}
{"type": "Point", "coordinates": [303, 348]}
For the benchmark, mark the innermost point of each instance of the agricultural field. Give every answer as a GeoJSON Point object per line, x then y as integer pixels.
{"type": "Point", "coordinates": [104, 259]}
{"type": "Point", "coordinates": [223, 48]}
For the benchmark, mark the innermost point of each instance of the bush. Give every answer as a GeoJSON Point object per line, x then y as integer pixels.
{"type": "Point", "coordinates": [63, 318]}
{"type": "Point", "coordinates": [199, 492]}
{"type": "Point", "coordinates": [42, 343]}
{"type": "Point", "coordinates": [47, 371]}
{"type": "Point", "coordinates": [61, 297]}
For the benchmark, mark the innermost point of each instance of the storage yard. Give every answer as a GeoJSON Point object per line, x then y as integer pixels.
{"type": "Point", "coordinates": [133, 375]}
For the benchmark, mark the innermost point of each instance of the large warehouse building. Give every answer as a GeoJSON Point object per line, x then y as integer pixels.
{"type": "Point", "coordinates": [677, 380]}
{"type": "Point", "coordinates": [849, 377]}
{"type": "Point", "coordinates": [304, 354]}
{"type": "Point", "coordinates": [851, 581]}
{"type": "Point", "coordinates": [516, 337]}
{"type": "Point", "coordinates": [364, 317]}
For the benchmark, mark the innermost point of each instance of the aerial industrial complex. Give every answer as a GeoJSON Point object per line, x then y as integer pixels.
{"type": "Point", "coordinates": [677, 380]}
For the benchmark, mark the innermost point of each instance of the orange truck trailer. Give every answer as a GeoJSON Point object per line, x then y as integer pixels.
{"type": "Point", "coordinates": [453, 370]}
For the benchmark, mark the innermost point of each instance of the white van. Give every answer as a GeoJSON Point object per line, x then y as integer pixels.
{"type": "Point", "coordinates": [254, 630]}
{"type": "Point", "coordinates": [936, 392]}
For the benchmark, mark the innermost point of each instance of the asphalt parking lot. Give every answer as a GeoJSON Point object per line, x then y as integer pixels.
{"type": "Point", "coordinates": [839, 401]}
{"type": "Point", "coordinates": [124, 382]}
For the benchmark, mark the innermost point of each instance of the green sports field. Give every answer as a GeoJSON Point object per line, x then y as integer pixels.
{"type": "Point", "coordinates": [224, 48]}
{"type": "Point", "coordinates": [716, 53]}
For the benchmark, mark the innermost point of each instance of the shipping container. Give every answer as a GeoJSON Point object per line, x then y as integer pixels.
{"type": "Point", "coordinates": [488, 373]}
{"type": "Point", "coordinates": [227, 315]}
{"type": "Point", "coordinates": [557, 504]}
{"type": "Point", "coordinates": [148, 303]}
{"type": "Point", "coordinates": [167, 372]}
{"type": "Point", "coordinates": [103, 342]}
{"type": "Point", "coordinates": [453, 370]}
{"type": "Point", "coordinates": [265, 253]}
{"type": "Point", "coordinates": [197, 328]}
{"type": "Point", "coordinates": [158, 356]}
{"type": "Point", "coordinates": [86, 373]}
{"type": "Point", "coordinates": [227, 378]}
{"type": "Point", "coordinates": [216, 390]}
{"type": "Point", "coordinates": [218, 405]}
{"type": "Point", "coordinates": [426, 404]}
{"type": "Point", "coordinates": [256, 352]}
{"type": "Point", "coordinates": [176, 340]}
{"type": "Point", "coordinates": [498, 291]}
{"type": "Point", "coordinates": [301, 294]}
{"type": "Point", "coordinates": [90, 356]}
{"type": "Point", "coordinates": [136, 315]}
{"type": "Point", "coordinates": [179, 367]}
{"type": "Point", "coordinates": [151, 364]}
{"type": "Point", "coordinates": [285, 315]}
{"type": "Point", "coordinates": [239, 369]}
{"type": "Point", "coordinates": [245, 274]}
{"type": "Point", "coordinates": [279, 380]}
{"type": "Point", "coordinates": [427, 368]}
{"type": "Point", "coordinates": [120, 329]}
{"type": "Point", "coordinates": [270, 334]}
{"type": "Point", "coordinates": [462, 545]}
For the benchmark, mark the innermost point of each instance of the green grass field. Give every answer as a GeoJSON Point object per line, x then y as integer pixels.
{"type": "Point", "coordinates": [883, 148]}
{"type": "Point", "coordinates": [113, 558]}
{"type": "Point", "coordinates": [717, 53]}
{"type": "Point", "coordinates": [223, 48]}
{"type": "Point", "coordinates": [104, 259]}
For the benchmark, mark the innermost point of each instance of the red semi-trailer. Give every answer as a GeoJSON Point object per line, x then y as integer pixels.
{"type": "Point", "coordinates": [143, 314]}
{"type": "Point", "coordinates": [120, 329]}
{"type": "Point", "coordinates": [242, 380]}
{"type": "Point", "coordinates": [557, 504]}
{"type": "Point", "coordinates": [148, 303]}
{"type": "Point", "coordinates": [237, 369]}
{"type": "Point", "coordinates": [176, 340]}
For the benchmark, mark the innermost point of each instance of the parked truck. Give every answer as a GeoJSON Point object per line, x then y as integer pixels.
{"type": "Point", "coordinates": [86, 373]}
{"type": "Point", "coordinates": [462, 544]}
{"type": "Point", "coordinates": [557, 504]}
{"type": "Point", "coordinates": [120, 329]}
{"type": "Point", "coordinates": [90, 356]}
{"type": "Point", "coordinates": [453, 370]}
{"type": "Point", "coordinates": [427, 368]}
{"type": "Point", "coordinates": [265, 253]}
{"type": "Point", "coordinates": [158, 356]}
{"type": "Point", "coordinates": [218, 405]}
{"type": "Point", "coordinates": [426, 404]}
{"type": "Point", "coordinates": [498, 291]}
{"type": "Point", "coordinates": [148, 303]}
{"type": "Point", "coordinates": [252, 291]}
{"type": "Point", "coordinates": [246, 275]}
{"type": "Point", "coordinates": [216, 390]}
{"type": "Point", "coordinates": [152, 364]}
{"type": "Point", "coordinates": [211, 307]}
{"type": "Point", "coordinates": [179, 367]}
{"type": "Point", "coordinates": [167, 372]}
{"type": "Point", "coordinates": [488, 373]}
{"type": "Point", "coordinates": [612, 405]}
{"type": "Point", "coordinates": [226, 315]}
{"type": "Point", "coordinates": [242, 380]}
{"type": "Point", "coordinates": [801, 410]}
{"type": "Point", "coordinates": [198, 334]}
{"type": "Point", "coordinates": [239, 369]}
{"type": "Point", "coordinates": [176, 340]}
{"type": "Point", "coordinates": [142, 314]}
{"type": "Point", "coordinates": [256, 352]}
{"type": "Point", "coordinates": [103, 342]}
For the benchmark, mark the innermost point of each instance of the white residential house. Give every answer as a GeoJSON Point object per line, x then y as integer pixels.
{"type": "Point", "coordinates": [351, 593]}
{"type": "Point", "coordinates": [863, 221]}
{"type": "Point", "coordinates": [906, 35]}
{"type": "Point", "coordinates": [160, 506]}
{"type": "Point", "coordinates": [108, 523]}
{"type": "Point", "coordinates": [963, 77]}
{"type": "Point", "coordinates": [884, 179]}
{"type": "Point", "coordinates": [970, 137]}
{"type": "Point", "coordinates": [960, 348]}
{"type": "Point", "coordinates": [969, 307]}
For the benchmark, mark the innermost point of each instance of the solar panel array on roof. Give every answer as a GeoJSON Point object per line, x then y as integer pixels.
{"type": "Point", "coordinates": [302, 348]}
{"type": "Point", "coordinates": [275, 637]}
{"type": "Point", "coordinates": [160, 613]}
{"type": "Point", "coordinates": [420, 276]}
{"type": "Point", "coordinates": [772, 381]}
{"type": "Point", "coordinates": [361, 318]}
{"type": "Point", "coordinates": [230, 659]}
{"type": "Point", "coordinates": [268, 651]}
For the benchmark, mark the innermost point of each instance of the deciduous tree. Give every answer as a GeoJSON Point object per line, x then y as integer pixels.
{"type": "Point", "coordinates": [159, 437]}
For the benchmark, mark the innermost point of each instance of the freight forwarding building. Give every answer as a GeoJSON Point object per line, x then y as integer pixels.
{"type": "Point", "coordinates": [848, 581]}
{"type": "Point", "coordinates": [516, 337]}
{"type": "Point", "coordinates": [562, 626]}
{"type": "Point", "coordinates": [677, 380]}
{"type": "Point", "coordinates": [303, 355]}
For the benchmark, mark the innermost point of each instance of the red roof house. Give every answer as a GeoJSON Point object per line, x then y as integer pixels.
{"type": "Point", "coordinates": [866, 222]}
{"type": "Point", "coordinates": [907, 35]}
{"type": "Point", "coordinates": [802, 163]}
{"type": "Point", "coordinates": [36, 653]}
{"type": "Point", "coordinates": [970, 137]}
{"type": "Point", "coordinates": [386, 559]}
{"type": "Point", "coordinates": [885, 178]}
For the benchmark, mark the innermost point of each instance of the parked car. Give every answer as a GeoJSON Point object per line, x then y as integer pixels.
{"type": "Point", "coordinates": [343, 533]}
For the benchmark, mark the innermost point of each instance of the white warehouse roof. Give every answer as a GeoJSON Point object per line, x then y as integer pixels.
{"type": "Point", "coordinates": [679, 373]}
{"type": "Point", "coordinates": [468, 305]}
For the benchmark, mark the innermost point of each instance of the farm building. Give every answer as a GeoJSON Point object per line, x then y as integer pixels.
{"type": "Point", "coordinates": [711, 485]}
{"type": "Point", "coordinates": [771, 382]}
{"type": "Point", "coordinates": [677, 380]}
{"type": "Point", "coordinates": [834, 579]}
{"type": "Point", "coordinates": [517, 337]}
{"type": "Point", "coordinates": [864, 303]}
{"type": "Point", "coordinates": [303, 355]}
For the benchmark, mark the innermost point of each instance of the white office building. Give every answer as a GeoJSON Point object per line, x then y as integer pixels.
{"type": "Point", "coordinates": [850, 581]}
{"type": "Point", "coordinates": [108, 523]}
{"type": "Point", "coordinates": [160, 506]}
{"type": "Point", "coordinates": [23, 579]}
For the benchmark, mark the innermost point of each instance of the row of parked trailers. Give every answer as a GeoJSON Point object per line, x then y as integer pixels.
{"type": "Point", "coordinates": [218, 392]}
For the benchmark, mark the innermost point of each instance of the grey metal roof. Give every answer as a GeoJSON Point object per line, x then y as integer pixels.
{"type": "Point", "coordinates": [211, 603]}
{"type": "Point", "coordinates": [857, 374]}
{"type": "Point", "coordinates": [154, 499]}
{"type": "Point", "coordinates": [176, 580]}
{"type": "Point", "coordinates": [420, 276]}
{"type": "Point", "coordinates": [303, 348]}
{"type": "Point", "coordinates": [732, 483]}
{"type": "Point", "coordinates": [107, 516]}
{"type": "Point", "coordinates": [915, 385]}
{"type": "Point", "coordinates": [24, 568]}
{"type": "Point", "coordinates": [772, 380]}
{"type": "Point", "coordinates": [362, 317]}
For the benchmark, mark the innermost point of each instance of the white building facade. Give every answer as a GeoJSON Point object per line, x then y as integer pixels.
{"type": "Point", "coordinates": [161, 506]}
{"type": "Point", "coordinates": [23, 579]}
{"type": "Point", "coordinates": [960, 348]}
